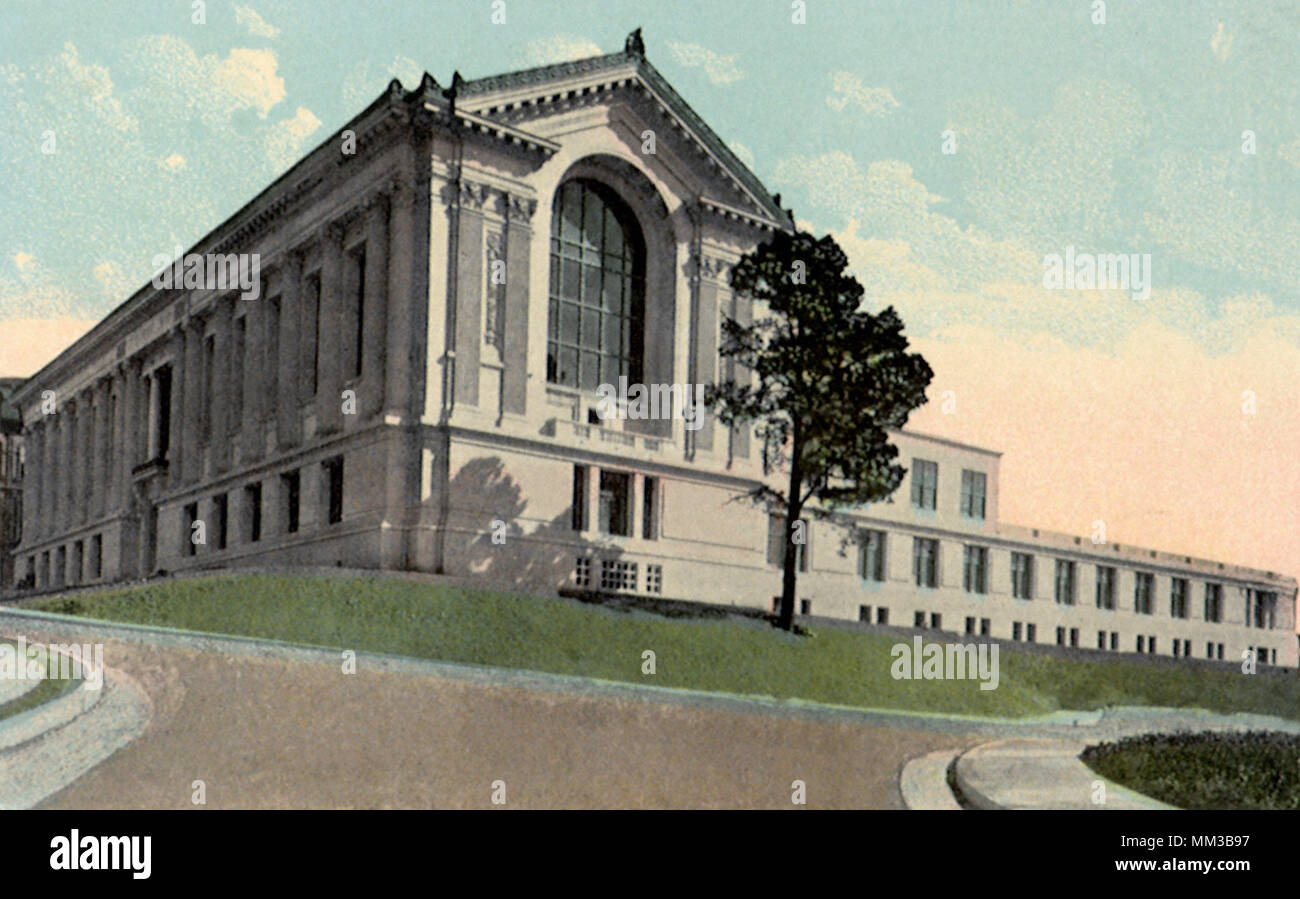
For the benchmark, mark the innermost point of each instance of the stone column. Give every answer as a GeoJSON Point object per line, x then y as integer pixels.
{"type": "Point", "coordinates": [329, 411]}
{"type": "Point", "coordinates": [376, 309]}
{"type": "Point", "coordinates": [177, 436]}
{"type": "Point", "coordinates": [519, 213]}
{"type": "Point", "coordinates": [288, 428]}
{"type": "Point", "coordinates": [742, 312]}
{"type": "Point", "coordinates": [706, 353]}
{"type": "Point", "coordinates": [469, 292]}
{"type": "Point", "coordinates": [103, 447]}
{"type": "Point", "coordinates": [87, 449]}
{"type": "Point", "coordinates": [401, 246]}
{"type": "Point", "coordinates": [67, 411]}
{"type": "Point", "coordinates": [130, 428]}
{"type": "Point", "coordinates": [219, 439]}
{"type": "Point", "coordinates": [254, 443]}
{"type": "Point", "coordinates": [33, 474]}
{"type": "Point", "coordinates": [154, 418]}
{"type": "Point", "coordinates": [190, 457]}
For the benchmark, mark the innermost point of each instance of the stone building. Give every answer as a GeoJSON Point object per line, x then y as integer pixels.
{"type": "Point", "coordinates": [11, 477]}
{"type": "Point", "coordinates": [442, 287]}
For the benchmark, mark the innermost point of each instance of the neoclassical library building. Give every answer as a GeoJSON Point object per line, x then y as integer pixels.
{"type": "Point", "coordinates": [443, 286]}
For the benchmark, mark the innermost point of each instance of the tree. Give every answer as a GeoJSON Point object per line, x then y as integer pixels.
{"type": "Point", "coordinates": [829, 380]}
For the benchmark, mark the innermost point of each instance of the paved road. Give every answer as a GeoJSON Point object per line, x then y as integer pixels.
{"type": "Point", "coordinates": [290, 730]}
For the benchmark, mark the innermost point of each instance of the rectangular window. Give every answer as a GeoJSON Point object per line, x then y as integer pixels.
{"type": "Point", "coordinates": [1209, 650]}
{"type": "Point", "coordinates": [1074, 637]}
{"type": "Point", "coordinates": [1178, 598]}
{"type": "Point", "coordinates": [1151, 644]}
{"type": "Point", "coordinates": [936, 621]}
{"type": "Point", "coordinates": [616, 574]}
{"type": "Point", "coordinates": [650, 509]}
{"type": "Point", "coordinates": [290, 482]}
{"type": "Point", "coordinates": [1214, 602]}
{"type": "Point", "coordinates": [871, 556]}
{"type": "Point", "coordinates": [164, 411]}
{"type": "Point", "coordinates": [882, 615]}
{"type": "Point", "coordinates": [925, 561]}
{"type": "Point", "coordinates": [918, 619]}
{"type": "Point", "coordinates": [1022, 576]}
{"type": "Point", "coordinates": [1141, 643]}
{"type": "Point", "coordinates": [221, 506]}
{"type": "Point", "coordinates": [805, 607]}
{"type": "Point", "coordinates": [1114, 640]}
{"type": "Point", "coordinates": [582, 571]}
{"type": "Point", "coordinates": [191, 516]}
{"type": "Point", "coordinates": [970, 625]}
{"type": "Point", "coordinates": [613, 505]}
{"type": "Point", "coordinates": [311, 330]}
{"type": "Point", "coordinates": [975, 569]}
{"type": "Point", "coordinates": [974, 485]}
{"type": "Point", "coordinates": [986, 627]}
{"type": "Point", "coordinates": [358, 274]}
{"type": "Point", "coordinates": [334, 489]}
{"type": "Point", "coordinates": [1060, 636]}
{"type": "Point", "coordinates": [97, 555]}
{"type": "Point", "coordinates": [1101, 639]}
{"type": "Point", "coordinates": [209, 373]}
{"type": "Point", "coordinates": [1105, 587]}
{"type": "Point", "coordinates": [253, 511]}
{"type": "Point", "coordinates": [1031, 633]}
{"type": "Point", "coordinates": [925, 483]}
{"type": "Point", "coordinates": [1261, 608]}
{"type": "Point", "coordinates": [579, 497]}
{"type": "Point", "coordinates": [776, 543]}
{"type": "Point", "coordinates": [1015, 630]}
{"type": "Point", "coordinates": [864, 614]}
{"type": "Point", "coordinates": [654, 579]}
{"type": "Point", "coordinates": [1064, 582]}
{"type": "Point", "coordinates": [239, 340]}
{"type": "Point", "coordinates": [1143, 588]}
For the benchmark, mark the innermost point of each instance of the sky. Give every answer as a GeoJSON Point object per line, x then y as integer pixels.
{"type": "Point", "coordinates": [949, 147]}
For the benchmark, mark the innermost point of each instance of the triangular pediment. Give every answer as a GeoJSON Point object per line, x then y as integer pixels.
{"type": "Point", "coordinates": [516, 99]}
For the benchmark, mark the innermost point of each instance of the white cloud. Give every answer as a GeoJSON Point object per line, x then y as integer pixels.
{"type": "Point", "coordinates": [743, 153]}
{"type": "Point", "coordinates": [173, 163]}
{"type": "Point", "coordinates": [848, 89]}
{"type": "Point", "coordinates": [245, 15]}
{"type": "Point", "coordinates": [364, 83]}
{"type": "Point", "coordinates": [719, 69]}
{"type": "Point", "coordinates": [1221, 43]}
{"type": "Point", "coordinates": [544, 51]}
{"type": "Point", "coordinates": [285, 141]}
{"type": "Point", "coordinates": [23, 261]}
{"type": "Point", "coordinates": [250, 77]}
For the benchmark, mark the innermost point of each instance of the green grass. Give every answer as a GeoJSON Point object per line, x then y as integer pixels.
{"type": "Point", "coordinates": [1258, 770]}
{"type": "Point", "coordinates": [835, 666]}
{"type": "Point", "coordinates": [49, 688]}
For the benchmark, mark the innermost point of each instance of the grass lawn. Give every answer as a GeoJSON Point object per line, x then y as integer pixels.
{"type": "Point", "coordinates": [1206, 771]}
{"type": "Point", "coordinates": [566, 637]}
{"type": "Point", "coordinates": [49, 688]}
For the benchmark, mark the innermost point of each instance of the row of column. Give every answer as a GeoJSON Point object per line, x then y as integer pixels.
{"type": "Point", "coordinates": [77, 455]}
{"type": "Point", "coordinates": [82, 454]}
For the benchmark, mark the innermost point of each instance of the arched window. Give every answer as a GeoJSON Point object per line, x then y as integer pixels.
{"type": "Point", "coordinates": [595, 330]}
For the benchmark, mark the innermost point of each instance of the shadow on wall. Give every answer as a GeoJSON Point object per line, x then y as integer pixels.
{"type": "Point", "coordinates": [486, 538]}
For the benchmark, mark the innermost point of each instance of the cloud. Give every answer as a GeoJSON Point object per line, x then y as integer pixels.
{"type": "Point", "coordinates": [719, 69]}
{"type": "Point", "coordinates": [173, 163]}
{"type": "Point", "coordinates": [23, 261]}
{"type": "Point", "coordinates": [1221, 43]}
{"type": "Point", "coordinates": [544, 51]}
{"type": "Point", "coordinates": [250, 77]}
{"type": "Point", "coordinates": [848, 89]}
{"type": "Point", "coordinates": [743, 153]}
{"type": "Point", "coordinates": [365, 82]}
{"type": "Point", "coordinates": [286, 139]}
{"type": "Point", "coordinates": [245, 15]}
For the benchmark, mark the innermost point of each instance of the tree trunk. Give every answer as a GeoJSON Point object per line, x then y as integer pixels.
{"type": "Point", "coordinates": [790, 573]}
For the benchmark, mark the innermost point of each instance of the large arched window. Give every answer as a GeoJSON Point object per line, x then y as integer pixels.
{"type": "Point", "coordinates": [595, 330]}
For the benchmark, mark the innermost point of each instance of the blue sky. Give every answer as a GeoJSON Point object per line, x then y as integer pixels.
{"type": "Point", "coordinates": [1121, 137]}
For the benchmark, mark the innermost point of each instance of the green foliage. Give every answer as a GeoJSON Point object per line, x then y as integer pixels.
{"type": "Point", "coordinates": [740, 656]}
{"type": "Point", "coordinates": [1211, 770]}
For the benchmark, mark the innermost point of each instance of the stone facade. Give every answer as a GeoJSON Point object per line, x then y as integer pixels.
{"type": "Point", "coordinates": [413, 386]}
